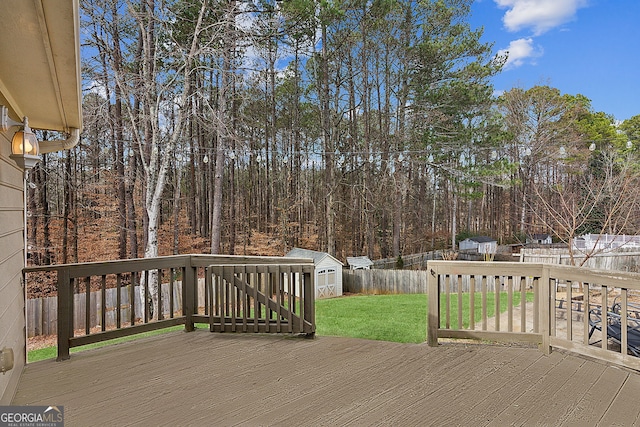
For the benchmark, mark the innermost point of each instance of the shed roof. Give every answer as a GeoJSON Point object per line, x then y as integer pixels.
{"type": "Point", "coordinates": [359, 261]}
{"type": "Point", "coordinates": [482, 239]}
{"type": "Point", "coordinates": [540, 236]}
{"type": "Point", "coordinates": [316, 256]}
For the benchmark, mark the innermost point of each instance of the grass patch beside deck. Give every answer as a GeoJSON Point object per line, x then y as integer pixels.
{"type": "Point", "coordinates": [398, 318]}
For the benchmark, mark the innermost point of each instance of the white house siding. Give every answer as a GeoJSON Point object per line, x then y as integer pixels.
{"type": "Point", "coordinates": [12, 320]}
{"type": "Point", "coordinates": [468, 244]}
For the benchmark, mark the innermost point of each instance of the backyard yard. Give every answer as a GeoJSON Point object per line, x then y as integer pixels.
{"type": "Point", "coordinates": [397, 318]}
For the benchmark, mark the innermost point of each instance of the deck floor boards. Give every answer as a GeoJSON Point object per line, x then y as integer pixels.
{"type": "Point", "coordinates": [204, 378]}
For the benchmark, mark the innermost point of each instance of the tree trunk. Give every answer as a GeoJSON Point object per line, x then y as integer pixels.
{"type": "Point", "coordinates": [68, 186]}
{"type": "Point", "coordinates": [328, 150]}
{"type": "Point", "coordinates": [224, 121]}
{"type": "Point", "coordinates": [176, 211]}
{"type": "Point", "coordinates": [46, 213]}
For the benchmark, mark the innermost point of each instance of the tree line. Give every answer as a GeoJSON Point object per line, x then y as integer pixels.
{"type": "Point", "coordinates": [355, 127]}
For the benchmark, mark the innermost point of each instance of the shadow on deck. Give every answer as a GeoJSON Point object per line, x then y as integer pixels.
{"type": "Point", "coordinates": [200, 378]}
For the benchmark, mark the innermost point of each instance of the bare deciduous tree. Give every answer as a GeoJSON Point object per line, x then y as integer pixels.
{"type": "Point", "coordinates": [600, 198]}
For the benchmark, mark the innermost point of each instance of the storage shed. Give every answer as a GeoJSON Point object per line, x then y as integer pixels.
{"type": "Point", "coordinates": [328, 276]}
{"type": "Point", "coordinates": [359, 262]}
{"type": "Point", "coordinates": [483, 244]}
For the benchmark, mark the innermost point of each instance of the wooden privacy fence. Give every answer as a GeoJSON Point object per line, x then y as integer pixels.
{"type": "Point", "coordinates": [562, 301]}
{"type": "Point", "coordinates": [418, 260]}
{"type": "Point", "coordinates": [250, 294]}
{"type": "Point", "coordinates": [384, 281]}
{"type": "Point", "coordinates": [42, 313]}
{"type": "Point", "coordinates": [620, 259]}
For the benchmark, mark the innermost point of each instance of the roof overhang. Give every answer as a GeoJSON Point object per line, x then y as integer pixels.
{"type": "Point", "coordinates": [40, 62]}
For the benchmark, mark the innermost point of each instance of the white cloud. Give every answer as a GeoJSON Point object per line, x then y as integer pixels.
{"type": "Point", "coordinates": [519, 51]}
{"type": "Point", "coordinates": [96, 87]}
{"type": "Point", "coordinates": [540, 15]}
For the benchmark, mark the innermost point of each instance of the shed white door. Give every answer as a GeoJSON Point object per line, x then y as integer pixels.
{"type": "Point", "coordinates": [326, 283]}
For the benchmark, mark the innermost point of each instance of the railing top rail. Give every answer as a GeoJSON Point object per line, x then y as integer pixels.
{"type": "Point", "coordinates": [486, 268]}
{"type": "Point", "coordinates": [132, 264]}
{"type": "Point", "coordinates": [174, 261]}
{"type": "Point", "coordinates": [303, 267]}
{"type": "Point", "coordinates": [207, 260]}
{"type": "Point", "coordinates": [621, 279]}
{"type": "Point", "coordinates": [564, 272]}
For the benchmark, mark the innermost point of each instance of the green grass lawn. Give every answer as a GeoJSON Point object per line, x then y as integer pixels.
{"type": "Point", "coordinates": [398, 318]}
{"type": "Point", "coordinates": [453, 316]}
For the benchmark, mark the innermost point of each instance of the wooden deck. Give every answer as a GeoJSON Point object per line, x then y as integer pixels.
{"type": "Point", "coordinates": [204, 378]}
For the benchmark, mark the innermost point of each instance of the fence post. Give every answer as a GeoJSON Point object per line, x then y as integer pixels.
{"type": "Point", "coordinates": [189, 286]}
{"type": "Point", "coordinates": [433, 311]}
{"type": "Point", "coordinates": [65, 313]}
{"type": "Point", "coordinates": [543, 309]}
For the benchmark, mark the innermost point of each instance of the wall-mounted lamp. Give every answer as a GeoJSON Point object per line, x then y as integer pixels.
{"type": "Point", "coordinates": [25, 150]}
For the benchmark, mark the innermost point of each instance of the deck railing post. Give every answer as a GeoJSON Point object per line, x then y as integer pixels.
{"type": "Point", "coordinates": [189, 286]}
{"type": "Point", "coordinates": [545, 301]}
{"type": "Point", "coordinates": [309, 302]}
{"type": "Point", "coordinates": [65, 313]}
{"type": "Point", "coordinates": [433, 312]}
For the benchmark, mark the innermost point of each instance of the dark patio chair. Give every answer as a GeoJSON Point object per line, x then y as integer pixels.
{"type": "Point", "coordinates": [614, 328]}
{"type": "Point", "coordinates": [633, 309]}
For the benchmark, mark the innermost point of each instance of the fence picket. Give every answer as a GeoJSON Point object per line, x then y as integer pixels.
{"type": "Point", "coordinates": [42, 313]}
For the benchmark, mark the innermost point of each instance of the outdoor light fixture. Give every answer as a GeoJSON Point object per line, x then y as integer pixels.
{"type": "Point", "coordinates": [25, 150]}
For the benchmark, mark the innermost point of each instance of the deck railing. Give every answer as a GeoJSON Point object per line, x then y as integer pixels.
{"type": "Point", "coordinates": [230, 293]}
{"type": "Point", "coordinates": [545, 304]}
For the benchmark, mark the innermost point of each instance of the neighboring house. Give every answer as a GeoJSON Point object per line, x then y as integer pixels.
{"type": "Point", "coordinates": [482, 244]}
{"type": "Point", "coordinates": [539, 239]}
{"type": "Point", "coordinates": [328, 277]}
{"type": "Point", "coordinates": [359, 262]}
{"type": "Point", "coordinates": [40, 79]}
{"type": "Point", "coordinates": [601, 242]}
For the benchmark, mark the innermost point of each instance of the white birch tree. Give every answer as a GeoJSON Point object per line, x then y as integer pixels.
{"type": "Point", "coordinates": [157, 93]}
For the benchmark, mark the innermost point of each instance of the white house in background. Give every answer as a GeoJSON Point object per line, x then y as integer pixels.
{"type": "Point", "coordinates": [482, 244]}
{"type": "Point", "coordinates": [540, 239]}
{"type": "Point", "coordinates": [359, 262]}
{"type": "Point", "coordinates": [589, 242]}
{"type": "Point", "coordinates": [328, 276]}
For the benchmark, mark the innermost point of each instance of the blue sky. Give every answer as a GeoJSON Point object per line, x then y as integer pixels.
{"type": "Point", "coordinates": [588, 47]}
